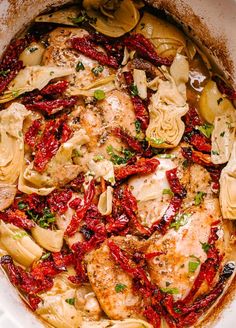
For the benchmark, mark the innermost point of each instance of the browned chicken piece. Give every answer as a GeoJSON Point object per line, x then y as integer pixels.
{"type": "Point", "coordinates": [106, 278]}
{"type": "Point", "coordinates": [182, 245]}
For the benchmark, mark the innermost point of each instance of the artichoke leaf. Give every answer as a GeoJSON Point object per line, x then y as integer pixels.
{"type": "Point", "coordinates": [124, 19]}
{"type": "Point", "coordinates": [12, 143]}
{"type": "Point", "coordinates": [223, 137]}
{"type": "Point", "coordinates": [33, 77]}
{"type": "Point", "coordinates": [228, 187]}
{"type": "Point", "coordinates": [105, 201]}
{"type": "Point", "coordinates": [127, 323]}
{"type": "Point", "coordinates": [140, 81]}
{"type": "Point", "coordinates": [103, 168]}
{"type": "Point", "coordinates": [7, 195]}
{"type": "Point", "coordinates": [51, 240]}
{"type": "Point", "coordinates": [19, 244]}
{"type": "Point", "coordinates": [166, 37]}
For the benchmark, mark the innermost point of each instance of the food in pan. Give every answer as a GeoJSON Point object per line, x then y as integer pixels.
{"type": "Point", "coordinates": [117, 170]}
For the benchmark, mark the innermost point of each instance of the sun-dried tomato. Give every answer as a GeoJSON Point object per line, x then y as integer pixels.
{"type": "Point", "coordinates": [172, 210]}
{"type": "Point", "coordinates": [58, 200]}
{"type": "Point", "coordinates": [25, 281]}
{"type": "Point", "coordinates": [33, 133]}
{"type": "Point", "coordinates": [18, 218]}
{"type": "Point", "coordinates": [153, 317]}
{"type": "Point", "coordinates": [200, 142]}
{"type": "Point", "coordinates": [10, 61]}
{"type": "Point", "coordinates": [224, 88]}
{"type": "Point", "coordinates": [140, 109]}
{"type": "Point", "coordinates": [50, 141]}
{"type": "Point", "coordinates": [52, 106]}
{"type": "Point", "coordinates": [128, 139]}
{"type": "Point", "coordinates": [142, 166]}
{"type": "Point", "coordinates": [88, 48]}
{"type": "Point", "coordinates": [197, 156]}
{"type": "Point", "coordinates": [145, 49]}
{"type": "Point", "coordinates": [81, 210]}
{"type": "Point", "coordinates": [35, 202]}
{"type": "Point", "coordinates": [175, 184]}
{"type": "Point", "coordinates": [55, 88]}
{"type": "Point", "coordinates": [77, 183]}
{"type": "Point", "coordinates": [192, 120]}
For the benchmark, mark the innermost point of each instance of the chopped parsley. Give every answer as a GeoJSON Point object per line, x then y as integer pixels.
{"type": "Point", "coordinates": [134, 90]}
{"type": "Point", "coordinates": [219, 100]}
{"type": "Point", "coordinates": [193, 265]}
{"type": "Point", "coordinates": [83, 18]}
{"type": "Point", "coordinates": [206, 129]}
{"type": "Point", "coordinates": [156, 141]}
{"type": "Point", "coordinates": [170, 290]}
{"type": "Point", "coordinates": [45, 256]}
{"type": "Point", "coordinates": [205, 246]}
{"type": "Point", "coordinates": [70, 301]}
{"type": "Point", "coordinates": [137, 126]}
{"type": "Point", "coordinates": [97, 70]}
{"type": "Point", "coordinates": [142, 26]}
{"type": "Point", "coordinates": [166, 156]}
{"type": "Point", "coordinates": [222, 134]}
{"type": "Point", "coordinates": [177, 310]}
{"type": "Point", "coordinates": [43, 221]}
{"type": "Point", "coordinates": [199, 197]}
{"type": "Point", "coordinates": [32, 49]}
{"type": "Point", "coordinates": [214, 152]}
{"type": "Point", "coordinates": [21, 205]}
{"type": "Point", "coordinates": [79, 67]}
{"type": "Point", "coordinates": [118, 160]}
{"type": "Point", "coordinates": [76, 153]}
{"type": "Point", "coordinates": [185, 164]}
{"type": "Point", "coordinates": [4, 73]}
{"type": "Point", "coordinates": [98, 158]}
{"type": "Point", "coordinates": [167, 192]}
{"type": "Point", "coordinates": [20, 235]}
{"type": "Point", "coordinates": [99, 94]}
{"type": "Point", "coordinates": [180, 221]}
{"type": "Point", "coordinates": [120, 287]}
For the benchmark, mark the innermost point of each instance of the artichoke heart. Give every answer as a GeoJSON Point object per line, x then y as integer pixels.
{"type": "Point", "coordinates": [167, 39]}
{"type": "Point", "coordinates": [51, 240]}
{"type": "Point", "coordinates": [60, 169]}
{"type": "Point", "coordinates": [32, 55]}
{"type": "Point", "coordinates": [19, 245]}
{"type": "Point", "coordinates": [166, 108]}
{"type": "Point", "coordinates": [127, 323]}
{"type": "Point", "coordinates": [12, 143]}
{"type": "Point", "coordinates": [64, 16]}
{"type": "Point", "coordinates": [33, 77]}
{"type": "Point", "coordinates": [122, 20]}
{"type": "Point", "coordinates": [228, 187]}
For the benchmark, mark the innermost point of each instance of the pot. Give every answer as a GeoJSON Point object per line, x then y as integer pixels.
{"type": "Point", "coordinates": [210, 23]}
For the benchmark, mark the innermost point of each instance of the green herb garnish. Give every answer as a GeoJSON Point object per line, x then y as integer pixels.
{"type": "Point", "coordinates": [79, 67]}
{"type": "Point", "coordinates": [222, 134]}
{"type": "Point", "coordinates": [199, 197]}
{"type": "Point", "coordinates": [98, 158]}
{"type": "Point", "coordinates": [116, 159]}
{"type": "Point", "coordinates": [20, 235]}
{"type": "Point", "coordinates": [97, 70]}
{"type": "Point", "coordinates": [167, 192]}
{"type": "Point", "coordinates": [4, 73]}
{"type": "Point", "coordinates": [193, 265]}
{"type": "Point", "coordinates": [99, 94]}
{"type": "Point", "coordinates": [170, 290]}
{"type": "Point", "coordinates": [219, 100]}
{"type": "Point", "coordinates": [166, 156]}
{"type": "Point", "coordinates": [206, 129]}
{"type": "Point", "coordinates": [180, 221]}
{"type": "Point", "coordinates": [21, 205]}
{"type": "Point", "coordinates": [156, 141]}
{"type": "Point", "coordinates": [214, 152]}
{"type": "Point", "coordinates": [43, 221]}
{"type": "Point", "coordinates": [134, 90]}
{"type": "Point", "coordinates": [70, 301]}
{"type": "Point", "coordinates": [32, 49]}
{"type": "Point", "coordinates": [137, 126]}
{"type": "Point", "coordinates": [205, 247]}
{"type": "Point", "coordinates": [120, 287]}
{"type": "Point", "coordinates": [45, 256]}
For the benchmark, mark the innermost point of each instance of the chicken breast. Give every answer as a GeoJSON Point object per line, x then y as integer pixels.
{"type": "Point", "coordinates": [113, 286]}
{"type": "Point", "coordinates": [182, 246]}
